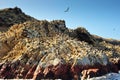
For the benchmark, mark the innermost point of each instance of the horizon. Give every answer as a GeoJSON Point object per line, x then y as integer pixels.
{"type": "Point", "coordinates": [99, 17]}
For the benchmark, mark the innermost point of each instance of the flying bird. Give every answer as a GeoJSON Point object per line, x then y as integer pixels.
{"type": "Point", "coordinates": [67, 9]}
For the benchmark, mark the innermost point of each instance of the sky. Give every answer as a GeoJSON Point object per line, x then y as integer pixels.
{"type": "Point", "coordinates": [99, 17]}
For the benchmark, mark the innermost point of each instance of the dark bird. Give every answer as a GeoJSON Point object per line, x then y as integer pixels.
{"type": "Point", "coordinates": [67, 9]}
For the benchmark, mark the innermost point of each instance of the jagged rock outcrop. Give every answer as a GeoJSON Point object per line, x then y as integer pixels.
{"type": "Point", "coordinates": [41, 50]}
{"type": "Point", "coordinates": [83, 35]}
{"type": "Point", "coordinates": [11, 16]}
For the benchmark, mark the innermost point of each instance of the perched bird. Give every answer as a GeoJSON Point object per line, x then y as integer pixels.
{"type": "Point", "coordinates": [67, 9]}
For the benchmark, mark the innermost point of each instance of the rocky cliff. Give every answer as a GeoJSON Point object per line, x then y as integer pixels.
{"type": "Point", "coordinates": [49, 50]}
{"type": "Point", "coordinates": [11, 16]}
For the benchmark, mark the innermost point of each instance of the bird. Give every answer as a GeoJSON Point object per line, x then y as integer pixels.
{"type": "Point", "coordinates": [67, 9]}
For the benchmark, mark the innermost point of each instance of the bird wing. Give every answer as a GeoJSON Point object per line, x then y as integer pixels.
{"type": "Point", "coordinates": [67, 10]}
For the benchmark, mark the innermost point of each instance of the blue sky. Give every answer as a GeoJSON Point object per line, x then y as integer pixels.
{"type": "Point", "coordinates": [99, 17]}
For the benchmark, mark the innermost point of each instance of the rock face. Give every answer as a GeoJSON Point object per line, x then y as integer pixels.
{"type": "Point", "coordinates": [11, 16]}
{"type": "Point", "coordinates": [49, 50]}
{"type": "Point", "coordinates": [83, 35]}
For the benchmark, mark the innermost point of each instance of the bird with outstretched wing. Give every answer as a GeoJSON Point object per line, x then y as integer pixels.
{"type": "Point", "coordinates": [67, 9]}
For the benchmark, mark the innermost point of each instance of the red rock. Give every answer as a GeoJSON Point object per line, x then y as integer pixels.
{"type": "Point", "coordinates": [48, 73]}
{"type": "Point", "coordinates": [62, 71]}
{"type": "Point", "coordinates": [103, 70]}
{"type": "Point", "coordinates": [76, 71]}
{"type": "Point", "coordinates": [25, 70]}
{"type": "Point", "coordinates": [118, 64]}
{"type": "Point", "coordinates": [89, 73]}
{"type": "Point", "coordinates": [6, 71]}
{"type": "Point", "coordinates": [30, 73]}
{"type": "Point", "coordinates": [113, 68]}
{"type": "Point", "coordinates": [3, 69]}
{"type": "Point", "coordinates": [1, 66]}
{"type": "Point", "coordinates": [38, 74]}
